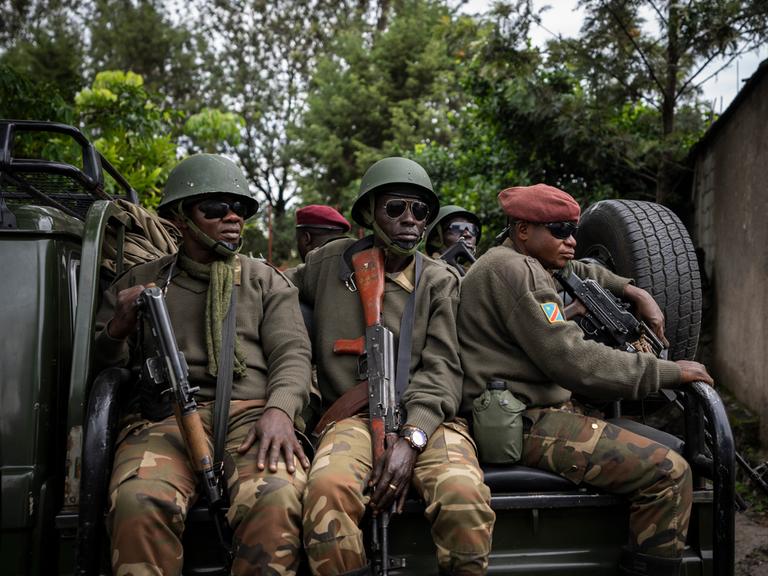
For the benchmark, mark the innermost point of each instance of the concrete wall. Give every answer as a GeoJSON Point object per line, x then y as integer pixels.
{"type": "Point", "coordinates": [731, 226]}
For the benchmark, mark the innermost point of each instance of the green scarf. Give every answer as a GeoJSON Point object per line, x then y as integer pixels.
{"type": "Point", "coordinates": [220, 275]}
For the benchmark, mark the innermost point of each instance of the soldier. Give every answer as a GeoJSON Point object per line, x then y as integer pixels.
{"type": "Point", "coordinates": [152, 484]}
{"type": "Point", "coordinates": [317, 225]}
{"type": "Point", "coordinates": [511, 327]}
{"type": "Point", "coordinates": [434, 453]}
{"type": "Point", "coordinates": [452, 223]}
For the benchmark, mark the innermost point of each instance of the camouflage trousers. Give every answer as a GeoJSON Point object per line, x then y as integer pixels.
{"type": "Point", "coordinates": [152, 487]}
{"type": "Point", "coordinates": [446, 475]}
{"type": "Point", "coordinates": [656, 480]}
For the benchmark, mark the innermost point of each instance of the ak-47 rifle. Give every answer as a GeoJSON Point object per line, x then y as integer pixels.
{"type": "Point", "coordinates": [607, 319]}
{"type": "Point", "coordinates": [169, 368]}
{"type": "Point", "coordinates": [379, 366]}
{"type": "Point", "coordinates": [458, 253]}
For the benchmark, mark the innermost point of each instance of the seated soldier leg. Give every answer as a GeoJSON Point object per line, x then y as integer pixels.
{"type": "Point", "coordinates": [334, 502]}
{"type": "Point", "coordinates": [150, 490]}
{"type": "Point", "coordinates": [656, 480]}
{"type": "Point", "coordinates": [448, 477]}
{"type": "Point", "coordinates": [264, 506]}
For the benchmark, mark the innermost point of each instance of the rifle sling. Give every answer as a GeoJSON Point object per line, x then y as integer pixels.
{"type": "Point", "coordinates": [356, 398]}
{"type": "Point", "coordinates": [224, 381]}
{"type": "Point", "coordinates": [403, 370]}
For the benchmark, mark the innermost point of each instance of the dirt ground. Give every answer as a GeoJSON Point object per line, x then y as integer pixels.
{"type": "Point", "coordinates": [751, 544]}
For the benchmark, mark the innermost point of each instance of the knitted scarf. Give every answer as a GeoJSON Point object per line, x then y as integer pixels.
{"type": "Point", "coordinates": [220, 275]}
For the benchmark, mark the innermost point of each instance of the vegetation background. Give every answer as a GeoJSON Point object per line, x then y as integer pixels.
{"type": "Point", "coordinates": [306, 94]}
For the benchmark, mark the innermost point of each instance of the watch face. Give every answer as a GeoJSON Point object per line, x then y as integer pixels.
{"type": "Point", "coordinates": [418, 438]}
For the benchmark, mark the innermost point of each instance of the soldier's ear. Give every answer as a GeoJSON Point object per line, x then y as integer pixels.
{"type": "Point", "coordinates": [521, 230]}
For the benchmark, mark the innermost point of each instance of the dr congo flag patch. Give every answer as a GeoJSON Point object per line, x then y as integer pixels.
{"type": "Point", "coordinates": [552, 312]}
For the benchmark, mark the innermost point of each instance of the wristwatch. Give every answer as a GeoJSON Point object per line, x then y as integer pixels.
{"type": "Point", "coordinates": [416, 437]}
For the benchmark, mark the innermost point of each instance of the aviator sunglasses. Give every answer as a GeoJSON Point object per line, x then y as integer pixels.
{"type": "Point", "coordinates": [459, 227]}
{"type": "Point", "coordinates": [562, 230]}
{"type": "Point", "coordinates": [215, 209]}
{"type": "Point", "coordinates": [396, 207]}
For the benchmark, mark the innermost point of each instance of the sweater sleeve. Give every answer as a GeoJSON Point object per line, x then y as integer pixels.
{"type": "Point", "coordinates": [286, 348]}
{"type": "Point", "coordinates": [434, 393]}
{"type": "Point", "coordinates": [558, 348]}
{"type": "Point", "coordinates": [108, 351]}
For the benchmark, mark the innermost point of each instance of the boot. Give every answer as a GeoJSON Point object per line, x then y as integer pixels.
{"type": "Point", "coordinates": [637, 564]}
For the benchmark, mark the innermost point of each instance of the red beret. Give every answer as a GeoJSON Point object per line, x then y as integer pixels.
{"type": "Point", "coordinates": [319, 216]}
{"type": "Point", "coordinates": [539, 203]}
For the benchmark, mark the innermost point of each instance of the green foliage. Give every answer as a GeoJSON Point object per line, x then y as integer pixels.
{"type": "Point", "coordinates": [48, 50]}
{"type": "Point", "coordinates": [130, 130]}
{"type": "Point", "coordinates": [380, 94]}
{"type": "Point", "coordinates": [211, 129]}
{"type": "Point", "coordinates": [140, 36]}
{"type": "Point", "coordinates": [23, 98]}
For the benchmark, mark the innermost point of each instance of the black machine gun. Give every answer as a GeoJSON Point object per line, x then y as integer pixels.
{"type": "Point", "coordinates": [457, 254]}
{"type": "Point", "coordinates": [169, 368]}
{"type": "Point", "coordinates": [606, 319]}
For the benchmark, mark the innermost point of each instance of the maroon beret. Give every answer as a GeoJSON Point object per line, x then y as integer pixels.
{"type": "Point", "coordinates": [319, 216]}
{"type": "Point", "coordinates": [539, 203]}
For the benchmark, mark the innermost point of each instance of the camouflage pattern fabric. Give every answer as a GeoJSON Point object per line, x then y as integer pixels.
{"type": "Point", "coordinates": [656, 480]}
{"type": "Point", "coordinates": [446, 475]}
{"type": "Point", "coordinates": [152, 487]}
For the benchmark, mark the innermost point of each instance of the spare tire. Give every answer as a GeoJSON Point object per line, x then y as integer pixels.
{"type": "Point", "coordinates": [649, 243]}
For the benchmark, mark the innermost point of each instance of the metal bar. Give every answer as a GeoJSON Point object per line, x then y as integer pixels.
{"type": "Point", "coordinates": [41, 196]}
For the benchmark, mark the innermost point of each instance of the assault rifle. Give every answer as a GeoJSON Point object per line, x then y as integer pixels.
{"type": "Point", "coordinates": [377, 346]}
{"type": "Point", "coordinates": [169, 368]}
{"type": "Point", "coordinates": [607, 319]}
{"type": "Point", "coordinates": [457, 253]}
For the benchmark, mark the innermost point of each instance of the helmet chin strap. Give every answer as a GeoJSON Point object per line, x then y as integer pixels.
{"type": "Point", "coordinates": [219, 247]}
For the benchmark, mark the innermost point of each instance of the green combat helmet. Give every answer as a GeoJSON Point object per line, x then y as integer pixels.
{"type": "Point", "coordinates": [200, 175]}
{"type": "Point", "coordinates": [393, 175]}
{"type": "Point", "coordinates": [434, 233]}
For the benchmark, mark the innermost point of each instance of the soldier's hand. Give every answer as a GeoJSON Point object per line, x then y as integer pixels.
{"type": "Point", "coordinates": [647, 309]}
{"type": "Point", "coordinates": [391, 477]}
{"type": "Point", "coordinates": [274, 432]}
{"type": "Point", "coordinates": [126, 315]}
{"type": "Point", "coordinates": [694, 372]}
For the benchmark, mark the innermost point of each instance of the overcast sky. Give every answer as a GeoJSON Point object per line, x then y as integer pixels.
{"type": "Point", "coordinates": [564, 18]}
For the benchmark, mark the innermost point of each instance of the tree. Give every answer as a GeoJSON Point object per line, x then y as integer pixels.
{"type": "Point", "coordinates": [381, 92]}
{"type": "Point", "coordinates": [130, 130]}
{"type": "Point", "coordinates": [139, 36]}
{"type": "Point", "coordinates": [665, 64]}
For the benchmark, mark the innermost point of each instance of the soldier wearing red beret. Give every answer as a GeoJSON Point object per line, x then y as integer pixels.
{"type": "Point", "coordinates": [317, 225]}
{"type": "Point", "coordinates": [512, 328]}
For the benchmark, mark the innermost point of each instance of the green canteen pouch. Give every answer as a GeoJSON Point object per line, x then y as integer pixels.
{"type": "Point", "coordinates": [498, 427]}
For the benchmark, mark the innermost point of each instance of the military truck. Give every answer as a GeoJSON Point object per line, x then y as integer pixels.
{"type": "Point", "coordinates": [60, 217]}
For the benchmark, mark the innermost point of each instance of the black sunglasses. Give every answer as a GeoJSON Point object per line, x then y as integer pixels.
{"type": "Point", "coordinates": [396, 207]}
{"type": "Point", "coordinates": [215, 209]}
{"type": "Point", "coordinates": [562, 230]}
{"type": "Point", "coordinates": [460, 227]}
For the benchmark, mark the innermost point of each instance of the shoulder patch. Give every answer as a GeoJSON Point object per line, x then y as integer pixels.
{"type": "Point", "coordinates": [552, 312]}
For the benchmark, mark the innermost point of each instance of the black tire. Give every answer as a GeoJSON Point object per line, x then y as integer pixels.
{"type": "Point", "coordinates": [647, 242]}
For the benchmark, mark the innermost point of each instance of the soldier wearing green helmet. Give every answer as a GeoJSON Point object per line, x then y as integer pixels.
{"type": "Point", "coordinates": [453, 237]}
{"type": "Point", "coordinates": [434, 452]}
{"type": "Point", "coordinates": [152, 485]}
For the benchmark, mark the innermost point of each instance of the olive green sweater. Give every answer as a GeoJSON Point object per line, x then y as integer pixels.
{"type": "Point", "coordinates": [434, 391]}
{"type": "Point", "coordinates": [269, 327]}
{"type": "Point", "coordinates": [505, 332]}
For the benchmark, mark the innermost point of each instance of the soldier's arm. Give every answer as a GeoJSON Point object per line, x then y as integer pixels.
{"type": "Point", "coordinates": [558, 348]}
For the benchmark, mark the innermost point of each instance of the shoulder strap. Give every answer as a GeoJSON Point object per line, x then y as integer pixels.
{"type": "Point", "coordinates": [224, 380]}
{"type": "Point", "coordinates": [402, 374]}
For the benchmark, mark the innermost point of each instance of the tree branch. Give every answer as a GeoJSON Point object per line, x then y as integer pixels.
{"type": "Point", "coordinates": [637, 48]}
